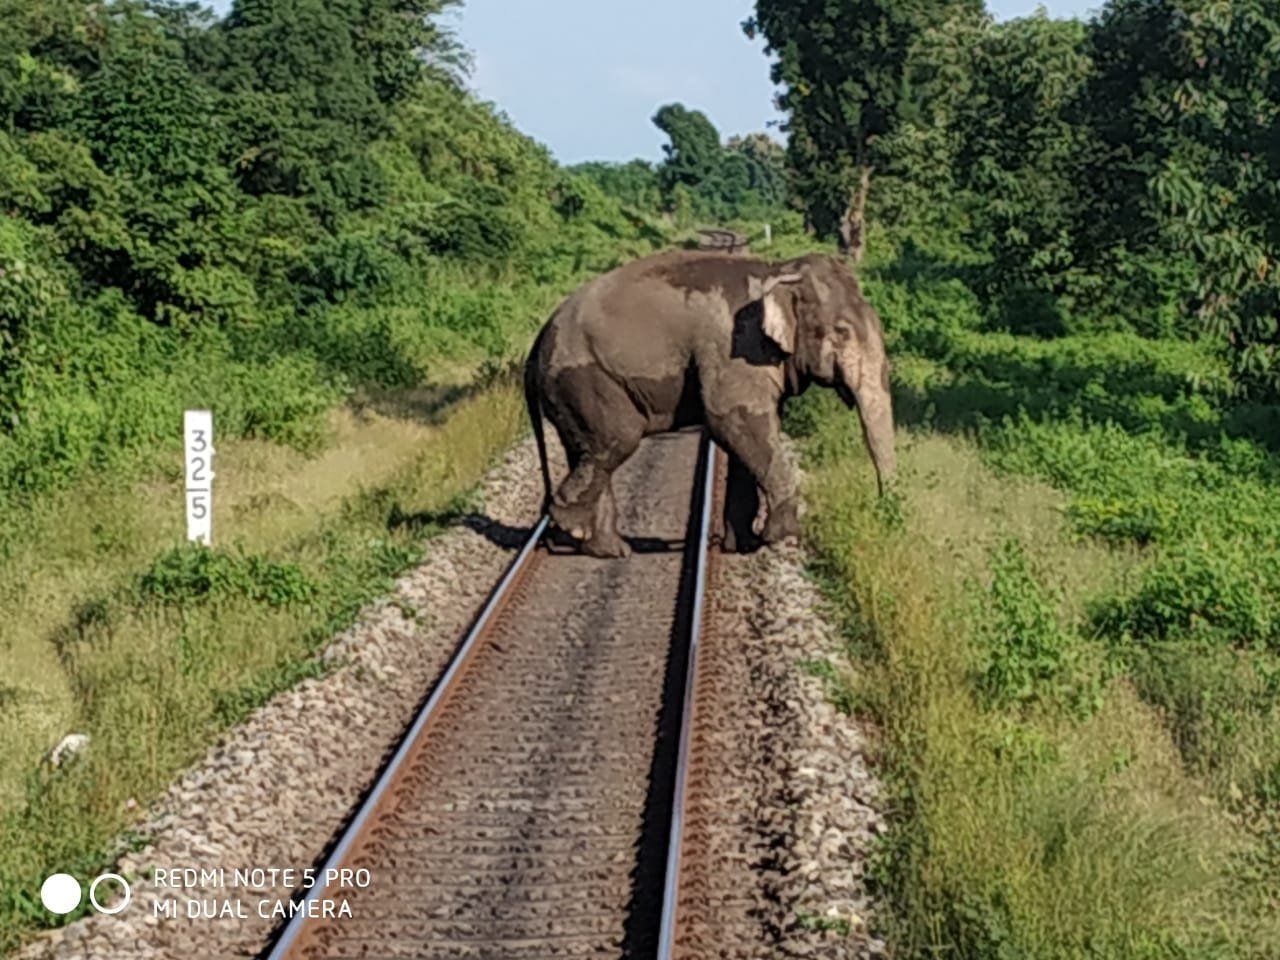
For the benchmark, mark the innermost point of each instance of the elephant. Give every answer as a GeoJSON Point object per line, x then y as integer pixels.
{"type": "Point", "coordinates": [689, 337]}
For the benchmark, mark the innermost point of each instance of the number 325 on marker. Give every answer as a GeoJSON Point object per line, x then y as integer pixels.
{"type": "Point", "coordinates": [197, 429]}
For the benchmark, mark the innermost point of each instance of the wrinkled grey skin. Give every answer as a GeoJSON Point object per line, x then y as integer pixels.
{"type": "Point", "coordinates": [692, 337]}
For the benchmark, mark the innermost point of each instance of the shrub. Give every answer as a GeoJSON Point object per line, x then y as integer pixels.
{"type": "Point", "coordinates": [196, 574]}
{"type": "Point", "coordinates": [1225, 592]}
{"type": "Point", "coordinates": [1119, 519]}
{"type": "Point", "coordinates": [1022, 644]}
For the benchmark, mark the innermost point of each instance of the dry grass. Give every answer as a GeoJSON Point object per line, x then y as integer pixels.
{"type": "Point", "coordinates": [94, 538]}
{"type": "Point", "coordinates": [1029, 831]}
{"type": "Point", "coordinates": [152, 681]}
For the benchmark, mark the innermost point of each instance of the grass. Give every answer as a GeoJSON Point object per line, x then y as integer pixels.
{"type": "Point", "coordinates": [1042, 804]}
{"type": "Point", "coordinates": [152, 648]}
{"type": "Point", "coordinates": [1067, 622]}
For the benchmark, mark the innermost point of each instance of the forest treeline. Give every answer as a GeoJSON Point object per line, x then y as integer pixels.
{"type": "Point", "coordinates": [269, 210]}
{"type": "Point", "coordinates": [701, 176]}
{"type": "Point", "coordinates": [261, 212]}
{"type": "Point", "coordinates": [198, 210]}
{"type": "Point", "coordinates": [1119, 173]}
{"type": "Point", "coordinates": [1065, 622]}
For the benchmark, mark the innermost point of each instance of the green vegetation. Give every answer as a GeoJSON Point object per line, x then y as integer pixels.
{"type": "Point", "coordinates": [297, 217]}
{"type": "Point", "coordinates": [1039, 810]}
{"type": "Point", "coordinates": [1117, 174]}
{"type": "Point", "coordinates": [844, 68]}
{"type": "Point", "coordinates": [744, 179]}
{"type": "Point", "coordinates": [1064, 619]}
{"type": "Point", "coordinates": [152, 649]}
{"type": "Point", "coordinates": [1065, 624]}
{"type": "Point", "coordinates": [272, 210]}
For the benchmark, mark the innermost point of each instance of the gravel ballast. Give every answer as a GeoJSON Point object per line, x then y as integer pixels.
{"type": "Point", "coordinates": [789, 809]}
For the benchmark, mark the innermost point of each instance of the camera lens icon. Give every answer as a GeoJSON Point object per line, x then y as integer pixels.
{"type": "Point", "coordinates": [93, 893]}
{"type": "Point", "coordinates": [61, 893]}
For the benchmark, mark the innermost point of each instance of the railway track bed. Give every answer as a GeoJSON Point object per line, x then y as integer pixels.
{"type": "Point", "coordinates": [562, 699]}
{"type": "Point", "coordinates": [538, 823]}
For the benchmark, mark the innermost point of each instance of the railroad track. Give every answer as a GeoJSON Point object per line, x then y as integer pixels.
{"type": "Point", "coordinates": [535, 806]}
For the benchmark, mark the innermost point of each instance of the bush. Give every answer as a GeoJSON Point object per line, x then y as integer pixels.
{"type": "Point", "coordinates": [1022, 644]}
{"type": "Point", "coordinates": [1119, 520]}
{"type": "Point", "coordinates": [1226, 593]}
{"type": "Point", "coordinates": [196, 574]}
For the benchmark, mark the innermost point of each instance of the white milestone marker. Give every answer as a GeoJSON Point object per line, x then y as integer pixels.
{"type": "Point", "coordinates": [197, 429]}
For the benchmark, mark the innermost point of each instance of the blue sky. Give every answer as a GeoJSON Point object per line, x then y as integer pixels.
{"type": "Point", "coordinates": [585, 76]}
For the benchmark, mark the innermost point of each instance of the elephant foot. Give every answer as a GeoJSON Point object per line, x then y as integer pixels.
{"type": "Point", "coordinates": [574, 521]}
{"type": "Point", "coordinates": [606, 546]}
{"type": "Point", "coordinates": [782, 524]}
{"type": "Point", "coordinates": [593, 533]}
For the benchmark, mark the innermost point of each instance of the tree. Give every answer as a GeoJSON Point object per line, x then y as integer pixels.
{"type": "Point", "coordinates": [636, 183]}
{"type": "Point", "coordinates": [152, 127]}
{"type": "Point", "coordinates": [842, 65]}
{"type": "Point", "coordinates": [45, 49]}
{"type": "Point", "coordinates": [1186, 108]}
{"type": "Point", "coordinates": [746, 178]}
{"type": "Point", "coordinates": [763, 165]}
{"type": "Point", "coordinates": [404, 41]}
{"type": "Point", "coordinates": [1017, 157]}
{"type": "Point", "coordinates": [694, 155]}
{"type": "Point", "coordinates": [305, 102]}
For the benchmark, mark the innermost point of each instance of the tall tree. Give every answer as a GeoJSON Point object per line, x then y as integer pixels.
{"type": "Point", "coordinates": [403, 40]}
{"type": "Point", "coordinates": [694, 155]}
{"type": "Point", "coordinates": [763, 164]}
{"type": "Point", "coordinates": [152, 126]}
{"type": "Point", "coordinates": [1186, 106]}
{"type": "Point", "coordinates": [745, 178]}
{"type": "Point", "coordinates": [842, 65]}
{"type": "Point", "coordinates": [1017, 158]}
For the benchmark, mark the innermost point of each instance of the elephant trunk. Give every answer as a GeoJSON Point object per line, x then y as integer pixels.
{"type": "Point", "coordinates": [875, 410]}
{"type": "Point", "coordinates": [877, 429]}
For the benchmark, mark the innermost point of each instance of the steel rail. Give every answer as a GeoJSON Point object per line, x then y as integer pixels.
{"type": "Point", "coordinates": [298, 921]}
{"type": "Point", "coordinates": [295, 928]}
{"type": "Point", "coordinates": [671, 885]}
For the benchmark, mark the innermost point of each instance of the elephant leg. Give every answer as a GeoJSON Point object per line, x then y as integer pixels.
{"type": "Point", "coordinates": [566, 510]}
{"type": "Point", "coordinates": [605, 541]}
{"type": "Point", "coordinates": [584, 506]}
{"type": "Point", "coordinates": [741, 503]}
{"type": "Point", "coordinates": [755, 438]}
{"type": "Point", "coordinates": [600, 428]}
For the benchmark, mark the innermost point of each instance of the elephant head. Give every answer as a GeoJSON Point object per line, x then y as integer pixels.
{"type": "Point", "coordinates": [814, 311]}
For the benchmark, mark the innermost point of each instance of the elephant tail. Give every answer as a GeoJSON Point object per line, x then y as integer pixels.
{"type": "Point", "coordinates": [534, 402]}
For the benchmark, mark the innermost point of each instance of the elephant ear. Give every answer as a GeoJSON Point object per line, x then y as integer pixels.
{"type": "Point", "coordinates": [779, 325]}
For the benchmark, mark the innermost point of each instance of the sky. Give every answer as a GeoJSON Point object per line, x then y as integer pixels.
{"type": "Point", "coordinates": [585, 76]}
